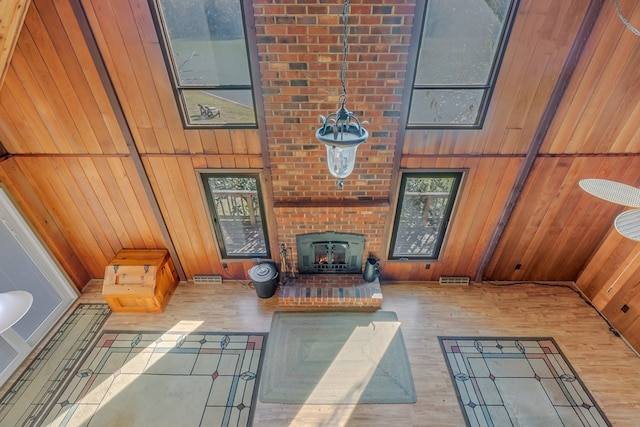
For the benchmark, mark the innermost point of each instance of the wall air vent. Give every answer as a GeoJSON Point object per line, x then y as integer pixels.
{"type": "Point", "coordinates": [207, 279]}
{"type": "Point", "coordinates": [444, 280]}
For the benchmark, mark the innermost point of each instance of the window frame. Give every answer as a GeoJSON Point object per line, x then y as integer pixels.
{"type": "Point", "coordinates": [459, 176]}
{"type": "Point", "coordinates": [487, 88]}
{"type": "Point", "coordinates": [203, 175]}
{"type": "Point", "coordinates": [178, 89]}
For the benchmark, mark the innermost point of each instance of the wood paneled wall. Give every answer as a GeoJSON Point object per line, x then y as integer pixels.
{"type": "Point", "coordinates": [53, 100]}
{"type": "Point", "coordinates": [556, 226]}
{"type": "Point", "coordinates": [600, 111]}
{"type": "Point", "coordinates": [185, 212]}
{"type": "Point", "coordinates": [494, 154]}
{"type": "Point", "coordinates": [85, 208]}
{"type": "Point", "coordinates": [611, 280]}
{"type": "Point", "coordinates": [71, 154]}
{"type": "Point", "coordinates": [542, 35]}
{"type": "Point", "coordinates": [486, 185]}
{"type": "Point", "coordinates": [73, 168]}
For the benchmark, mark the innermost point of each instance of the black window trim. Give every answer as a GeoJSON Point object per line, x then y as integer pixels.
{"type": "Point", "coordinates": [246, 6]}
{"type": "Point", "coordinates": [203, 174]}
{"type": "Point", "coordinates": [488, 88]}
{"type": "Point", "coordinates": [460, 174]}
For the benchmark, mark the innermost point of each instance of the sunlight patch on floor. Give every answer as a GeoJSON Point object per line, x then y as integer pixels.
{"type": "Point", "coordinates": [355, 350]}
{"type": "Point", "coordinates": [144, 358]}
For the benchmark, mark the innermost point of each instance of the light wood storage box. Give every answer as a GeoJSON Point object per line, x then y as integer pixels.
{"type": "Point", "coordinates": [140, 281]}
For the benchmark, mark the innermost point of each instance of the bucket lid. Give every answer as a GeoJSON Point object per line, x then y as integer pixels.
{"type": "Point", "coordinates": [263, 272]}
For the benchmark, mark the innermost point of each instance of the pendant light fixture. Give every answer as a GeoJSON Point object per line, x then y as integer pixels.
{"type": "Point", "coordinates": [341, 132]}
{"type": "Point", "coordinates": [628, 222]}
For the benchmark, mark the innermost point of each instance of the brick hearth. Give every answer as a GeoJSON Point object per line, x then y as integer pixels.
{"type": "Point", "coordinates": [324, 292]}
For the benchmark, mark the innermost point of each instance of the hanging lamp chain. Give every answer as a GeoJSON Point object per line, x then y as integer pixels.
{"type": "Point", "coordinates": [343, 73]}
{"type": "Point", "coordinates": [624, 20]}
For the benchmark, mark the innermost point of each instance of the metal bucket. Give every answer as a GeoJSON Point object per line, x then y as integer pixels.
{"type": "Point", "coordinates": [264, 277]}
{"type": "Point", "coordinates": [371, 269]}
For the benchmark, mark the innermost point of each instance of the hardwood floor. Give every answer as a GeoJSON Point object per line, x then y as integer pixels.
{"type": "Point", "coordinates": [606, 365]}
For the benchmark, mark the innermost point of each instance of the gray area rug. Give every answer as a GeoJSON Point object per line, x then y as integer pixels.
{"type": "Point", "coordinates": [516, 381]}
{"type": "Point", "coordinates": [29, 396]}
{"type": "Point", "coordinates": [162, 379]}
{"type": "Point", "coordinates": [336, 358]}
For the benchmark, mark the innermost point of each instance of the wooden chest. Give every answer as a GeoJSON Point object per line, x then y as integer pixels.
{"type": "Point", "coordinates": [140, 281]}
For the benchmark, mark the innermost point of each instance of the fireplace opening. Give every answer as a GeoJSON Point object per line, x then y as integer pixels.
{"type": "Point", "coordinates": [330, 252]}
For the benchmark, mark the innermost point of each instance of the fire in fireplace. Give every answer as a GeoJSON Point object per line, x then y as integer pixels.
{"type": "Point", "coordinates": [330, 252]}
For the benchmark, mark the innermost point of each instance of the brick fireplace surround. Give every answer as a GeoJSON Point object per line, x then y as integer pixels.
{"type": "Point", "coordinates": [326, 292]}
{"type": "Point", "coordinates": [300, 53]}
{"type": "Point", "coordinates": [310, 292]}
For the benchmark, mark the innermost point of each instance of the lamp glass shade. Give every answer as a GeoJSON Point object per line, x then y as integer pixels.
{"type": "Point", "coordinates": [13, 305]}
{"type": "Point", "coordinates": [341, 160]}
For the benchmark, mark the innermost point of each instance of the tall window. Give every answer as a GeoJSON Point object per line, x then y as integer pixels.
{"type": "Point", "coordinates": [424, 208]}
{"type": "Point", "coordinates": [461, 47]}
{"type": "Point", "coordinates": [237, 214]}
{"type": "Point", "coordinates": [206, 48]}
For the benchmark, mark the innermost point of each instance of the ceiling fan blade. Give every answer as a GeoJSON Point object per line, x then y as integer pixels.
{"type": "Point", "coordinates": [612, 191]}
{"type": "Point", "coordinates": [628, 224]}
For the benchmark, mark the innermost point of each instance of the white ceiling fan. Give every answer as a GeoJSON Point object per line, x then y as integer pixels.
{"type": "Point", "coordinates": [628, 222]}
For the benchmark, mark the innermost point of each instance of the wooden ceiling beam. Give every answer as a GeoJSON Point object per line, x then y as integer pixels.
{"type": "Point", "coordinates": [12, 13]}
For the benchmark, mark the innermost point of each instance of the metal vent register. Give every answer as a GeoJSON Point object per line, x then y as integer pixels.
{"type": "Point", "coordinates": [330, 252]}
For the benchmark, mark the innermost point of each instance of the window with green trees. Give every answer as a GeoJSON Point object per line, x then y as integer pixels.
{"type": "Point", "coordinates": [237, 214]}
{"type": "Point", "coordinates": [461, 47]}
{"type": "Point", "coordinates": [424, 208]}
{"type": "Point", "coordinates": [206, 51]}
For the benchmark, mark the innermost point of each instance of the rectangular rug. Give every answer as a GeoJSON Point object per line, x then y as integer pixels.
{"type": "Point", "coordinates": [162, 379]}
{"type": "Point", "coordinates": [23, 404]}
{"type": "Point", "coordinates": [517, 381]}
{"type": "Point", "coordinates": [336, 358]}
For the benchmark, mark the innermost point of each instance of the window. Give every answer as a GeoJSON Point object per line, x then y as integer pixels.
{"type": "Point", "coordinates": [206, 48]}
{"type": "Point", "coordinates": [424, 208]}
{"type": "Point", "coordinates": [461, 47]}
{"type": "Point", "coordinates": [237, 214]}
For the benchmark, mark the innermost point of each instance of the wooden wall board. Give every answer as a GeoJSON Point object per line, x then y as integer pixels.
{"type": "Point", "coordinates": [607, 265]}
{"type": "Point", "coordinates": [103, 21]}
{"type": "Point", "coordinates": [26, 194]}
{"type": "Point", "coordinates": [604, 75]}
{"type": "Point", "coordinates": [184, 210]}
{"type": "Point", "coordinates": [51, 118]}
{"type": "Point", "coordinates": [38, 136]}
{"type": "Point", "coordinates": [128, 191]}
{"type": "Point", "coordinates": [68, 74]}
{"type": "Point", "coordinates": [86, 82]}
{"type": "Point", "coordinates": [16, 125]}
{"type": "Point", "coordinates": [556, 226]}
{"type": "Point", "coordinates": [55, 96]}
{"type": "Point", "coordinates": [208, 141]}
{"type": "Point", "coordinates": [94, 203]}
{"type": "Point", "coordinates": [611, 280]}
